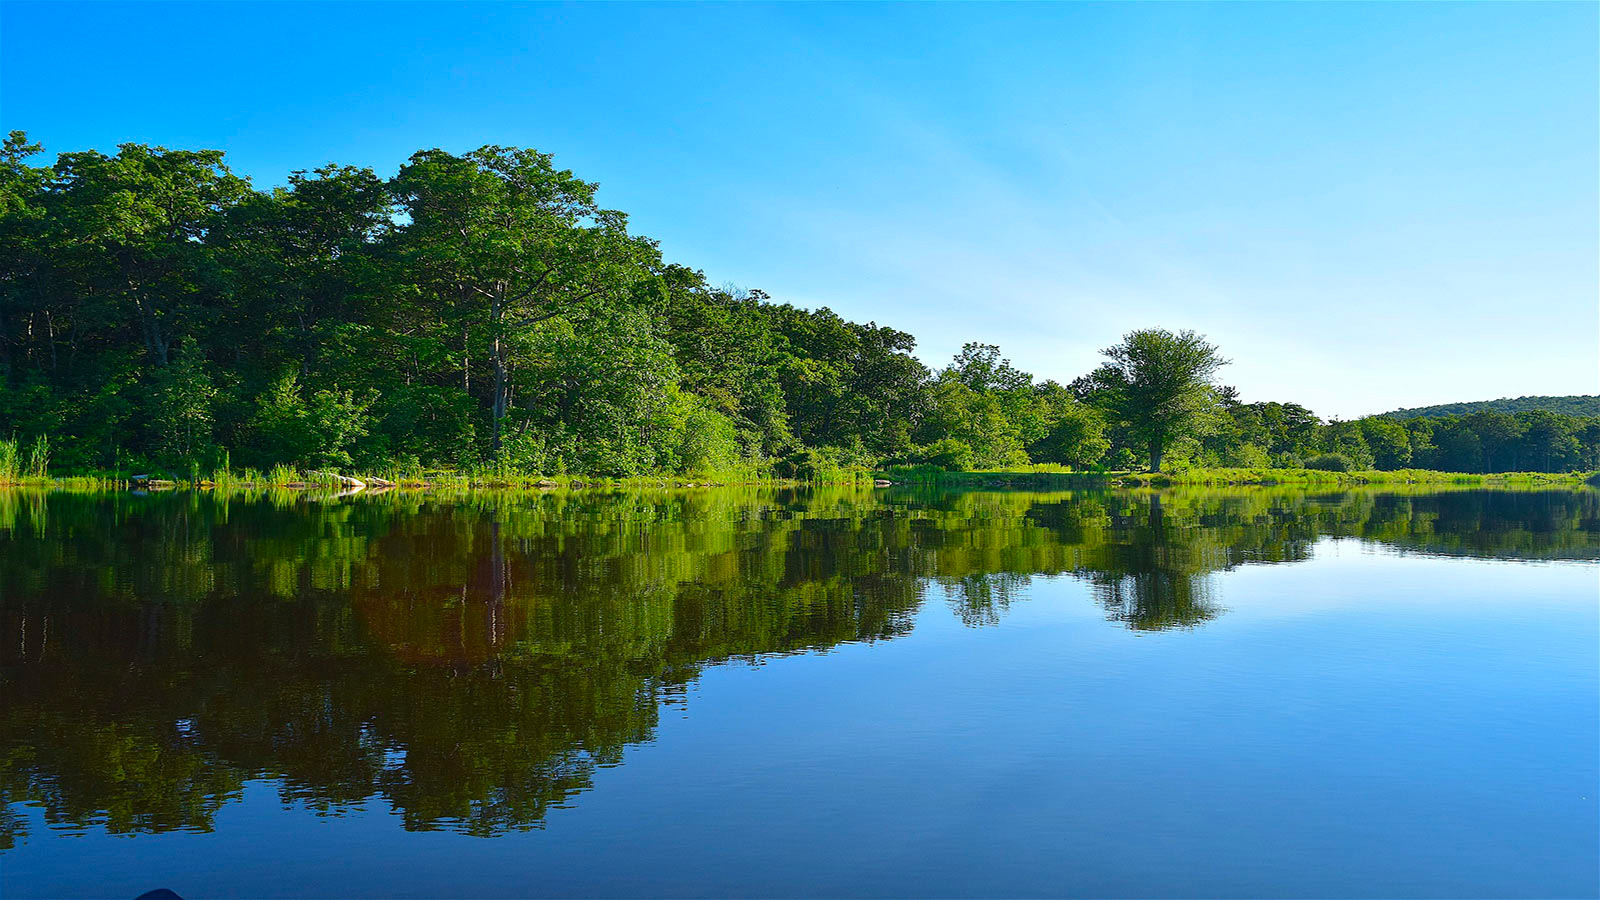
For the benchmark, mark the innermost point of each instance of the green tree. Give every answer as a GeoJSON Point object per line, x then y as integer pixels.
{"type": "Point", "coordinates": [978, 421]}
{"type": "Point", "coordinates": [502, 241]}
{"type": "Point", "coordinates": [1500, 436]}
{"type": "Point", "coordinates": [319, 431]}
{"type": "Point", "coordinates": [980, 367]}
{"type": "Point", "coordinates": [847, 385]}
{"type": "Point", "coordinates": [183, 408]}
{"type": "Point", "coordinates": [1348, 440]}
{"type": "Point", "coordinates": [1388, 440]}
{"type": "Point", "coordinates": [1549, 440]}
{"type": "Point", "coordinates": [1074, 434]}
{"type": "Point", "coordinates": [135, 228]}
{"type": "Point", "coordinates": [600, 392]}
{"type": "Point", "coordinates": [302, 261]}
{"type": "Point", "coordinates": [1158, 385]}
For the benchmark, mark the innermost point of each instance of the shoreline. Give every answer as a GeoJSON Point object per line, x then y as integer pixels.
{"type": "Point", "coordinates": [318, 482]}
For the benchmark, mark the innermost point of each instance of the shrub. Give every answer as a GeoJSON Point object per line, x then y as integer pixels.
{"type": "Point", "coordinates": [825, 464]}
{"type": "Point", "coordinates": [181, 408]}
{"type": "Point", "coordinates": [10, 461]}
{"type": "Point", "coordinates": [38, 458]}
{"type": "Point", "coordinates": [1247, 456]}
{"type": "Point", "coordinates": [1331, 462]}
{"type": "Point", "coordinates": [709, 442]}
{"type": "Point", "coordinates": [950, 454]}
{"type": "Point", "coordinates": [313, 433]}
{"type": "Point", "coordinates": [524, 452]}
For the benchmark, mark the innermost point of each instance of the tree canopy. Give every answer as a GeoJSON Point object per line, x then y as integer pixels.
{"type": "Point", "coordinates": [485, 311]}
{"type": "Point", "coordinates": [1570, 405]}
{"type": "Point", "coordinates": [1157, 384]}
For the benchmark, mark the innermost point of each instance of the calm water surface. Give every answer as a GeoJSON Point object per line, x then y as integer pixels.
{"type": "Point", "coordinates": [1259, 692]}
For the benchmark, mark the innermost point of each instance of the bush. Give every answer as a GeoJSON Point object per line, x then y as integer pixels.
{"type": "Point", "coordinates": [1247, 456]}
{"type": "Point", "coordinates": [526, 453]}
{"type": "Point", "coordinates": [709, 442]}
{"type": "Point", "coordinates": [38, 465]}
{"type": "Point", "coordinates": [949, 454]}
{"type": "Point", "coordinates": [10, 461]}
{"type": "Point", "coordinates": [825, 464]}
{"type": "Point", "coordinates": [317, 432]}
{"type": "Point", "coordinates": [181, 409]}
{"type": "Point", "coordinates": [1331, 462]}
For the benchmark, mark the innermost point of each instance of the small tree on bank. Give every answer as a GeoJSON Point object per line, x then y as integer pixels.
{"type": "Point", "coordinates": [1158, 386]}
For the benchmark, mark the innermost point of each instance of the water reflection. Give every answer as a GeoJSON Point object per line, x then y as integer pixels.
{"type": "Point", "coordinates": [470, 661]}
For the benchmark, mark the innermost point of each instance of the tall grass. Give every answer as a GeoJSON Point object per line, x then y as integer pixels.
{"type": "Point", "coordinates": [25, 462]}
{"type": "Point", "coordinates": [18, 465]}
{"type": "Point", "coordinates": [1326, 477]}
{"type": "Point", "coordinates": [1028, 475]}
{"type": "Point", "coordinates": [38, 465]}
{"type": "Point", "coordinates": [281, 474]}
{"type": "Point", "coordinates": [10, 461]}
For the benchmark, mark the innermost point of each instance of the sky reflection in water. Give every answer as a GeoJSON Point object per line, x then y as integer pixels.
{"type": "Point", "coordinates": [1249, 692]}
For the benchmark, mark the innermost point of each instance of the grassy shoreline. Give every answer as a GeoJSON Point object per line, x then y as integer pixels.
{"type": "Point", "coordinates": [1319, 477]}
{"type": "Point", "coordinates": [1055, 475]}
{"type": "Point", "coordinates": [422, 481]}
{"type": "Point", "coordinates": [283, 478]}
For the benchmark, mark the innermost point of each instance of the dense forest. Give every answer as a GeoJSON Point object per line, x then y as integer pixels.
{"type": "Point", "coordinates": [1571, 405]}
{"type": "Point", "coordinates": [484, 312]}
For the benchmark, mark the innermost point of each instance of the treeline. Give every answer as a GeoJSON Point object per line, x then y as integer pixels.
{"type": "Point", "coordinates": [1582, 405]}
{"type": "Point", "coordinates": [483, 312]}
{"type": "Point", "coordinates": [1283, 435]}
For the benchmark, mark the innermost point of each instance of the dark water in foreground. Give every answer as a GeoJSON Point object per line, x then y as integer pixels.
{"type": "Point", "coordinates": [1250, 692]}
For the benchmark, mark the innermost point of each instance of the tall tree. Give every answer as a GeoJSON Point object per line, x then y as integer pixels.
{"type": "Point", "coordinates": [300, 256]}
{"type": "Point", "coordinates": [1158, 384]}
{"type": "Point", "coordinates": [1499, 434]}
{"type": "Point", "coordinates": [135, 228]}
{"type": "Point", "coordinates": [504, 241]}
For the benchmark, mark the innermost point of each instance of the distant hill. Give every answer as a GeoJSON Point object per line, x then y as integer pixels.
{"type": "Point", "coordinates": [1576, 405]}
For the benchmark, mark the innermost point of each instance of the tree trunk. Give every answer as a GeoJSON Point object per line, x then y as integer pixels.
{"type": "Point", "coordinates": [1155, 456]}
{"type": "Point", "coordinates": [498, 354]}
{"type": "Point", "coordinates": [150, 326]}
{"type": "Point", "coordinates": [501, 391]}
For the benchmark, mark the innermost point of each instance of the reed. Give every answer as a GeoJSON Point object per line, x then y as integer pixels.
{"type": "Point", "coordinates": [280, 475]}
{"type": "Point", "coordinates": [38, 463]}
{"type": "Point", "coordinates": [10, 461]}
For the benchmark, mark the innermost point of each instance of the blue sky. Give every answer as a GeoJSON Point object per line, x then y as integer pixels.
{"type": "Point", "coordinates": [1366, 205]}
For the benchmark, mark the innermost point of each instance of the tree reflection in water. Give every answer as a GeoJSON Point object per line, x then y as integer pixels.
{"type": "Point", "coordinates": [471, 660]}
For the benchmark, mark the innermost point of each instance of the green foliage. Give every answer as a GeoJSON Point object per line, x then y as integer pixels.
{"type": "Point", "coordinates": [1332, 462]}
{"type": "Point", "coordinates": [313, 432]}
{"type": "Point", "coordinates": [1157, 385]}
{"type": "Point", "coordinates": [37, 464]}
{"type": "Point", "coordinates": [484, 313]}
{"type": "Point", "coordinates": [10, 461]}
{"type": "Point", "coordinates": [1073, 433]}
{"type": "Point", "coordinates": [282, 475]}
{"type": "Point", "coordinates": [1581, 405]}
{"type": "Point", "coordinates": [831, 465]}
{"type": "Point", "coordinates": [950, 454]}
{"type": "Point", "coordinates": [977, 420]}
{"type": "Point", "coordinates": [1388, 441]}
{"type": "Point", "coordinates": [1348, 440]}
{"type": "Point", "coordinates": [707, 440]}
{"type": "Point", "coordinates": [845, 384]}
{"type": "Point", "coordinates": [183, 407]}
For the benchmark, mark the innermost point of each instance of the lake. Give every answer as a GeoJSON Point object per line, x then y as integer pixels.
{"type": "Point", "coordinates": [829, 692]}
